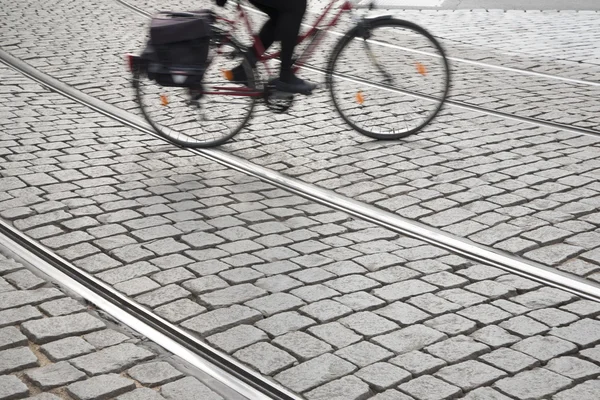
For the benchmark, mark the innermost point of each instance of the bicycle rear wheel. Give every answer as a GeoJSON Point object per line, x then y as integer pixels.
{"type": "Point", "coordinates": [388, 78]}
{"type": "Point", "coordinates": [191, 119]}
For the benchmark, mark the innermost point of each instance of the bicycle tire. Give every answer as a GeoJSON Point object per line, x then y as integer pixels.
{"type": "Point", "coordinates": [364, 34]}
{"type": "Point", "coordinates": [188, 138]}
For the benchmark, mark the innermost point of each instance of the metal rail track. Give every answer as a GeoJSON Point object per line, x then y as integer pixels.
{"type": "Point", "coordinates": [436, 237]}
{"type": "Point", "coordinates": [448, 102]}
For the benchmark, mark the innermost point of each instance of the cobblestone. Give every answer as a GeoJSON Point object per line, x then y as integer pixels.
{"type": "Point", "coordinates": [533, 384]}
{"type": "Point", "coordinates": [11, 387]}
{"type": "Point", "coordinates": [55, 375]}
{"type": "Point", "coordinates": [11, 337]}
{"type": "Point", "coordinates": [456, 349]}
{"type": "Point", "coordinates": [17, 359]}
{"type": "Point", "coordinates": [111, 359]}
{"type": "Point", "coordinates": [100, 387]}
{"type": "Point", "coordinates": [335, 334]}
{"type": "Point", "coordinates": [544, 348]}
{"type": "Point", "coordinates": [221, 319]}
{"type": "Point", "coordinates": [470, 375]}
{"type": "Point", "coordinates": [414, 337]}
{"type": "Point", "coordinates": [509, 360]}
{"type": "Point", "coordinates": [429, 388]}
{"type": "Point", "coordinates": [66, 348]}
{"type": "Point", "coordinates": [265, 357]}
{"type": "Point", "coordinates": [346, 388]}
{"type": "Point", "coordinates": [49, 329]}
{"type": "Point", "coordinates": [315, 372]}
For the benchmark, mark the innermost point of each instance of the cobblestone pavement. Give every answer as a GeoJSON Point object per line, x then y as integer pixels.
{"type": "Point", "coordinates": [329, 306]}
{"type": "Point", "coordinates": [53, 346]}
{"type": "Point", "coordinates": [527, 190]}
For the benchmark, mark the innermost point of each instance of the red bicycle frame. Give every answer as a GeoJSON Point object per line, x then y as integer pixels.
{"type": "Point", "coordinates": [260, 49]}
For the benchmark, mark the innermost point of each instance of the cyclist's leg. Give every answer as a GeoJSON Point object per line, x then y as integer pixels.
{"type": "Point", "coordinates": [287, 28]}
{"type": "Point", "coordinates": [267, 33]}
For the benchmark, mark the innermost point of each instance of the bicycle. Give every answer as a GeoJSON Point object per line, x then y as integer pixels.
{"type": "Point", "coordinates": [388, 78]}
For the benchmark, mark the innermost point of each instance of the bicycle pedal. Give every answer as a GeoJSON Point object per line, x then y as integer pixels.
{"type": "Point", "coordinates": [278, 95]}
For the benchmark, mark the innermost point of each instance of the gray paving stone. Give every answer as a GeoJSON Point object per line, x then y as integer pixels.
{"type": "Point", "coordinates": [402, 313]}
{"type": "Point", "coordinates": [553, 254]}
{"type": "Point", "coordinates": [283, 323]}
{"type": "Point", "coordinates": [232, 295]}
{"type": "Point", "coordinates": [265, 357]}
{"type": "Point", "coordinates": [66, 348]}
{"type": "Point", "coordinates": [205, 284]}
{"type": "Point", "coordinates": [221, 319]}
{"type": "Point", "coordinates": [414, 337]}
{"type": "Point", "coordinates": [429, 266]}
{"type": "Point", "coordinates": [326, 310]}
{"type": "Point", "coordinates": [462, 297]}
{"type": "Point", "coordinates": [24, 280]}
{"type": "Point", "coordinates": [445, 280]}
{"type": "Point", "coordinates": [346, 388]}
{"type": "Point", "coordinates": [241, 275]}
{"type": "Point", "coordinates": [237, 338]}
{"type": "Point", "coordinates": [154, 373]}
{"type": "Point", "coordinates": [583, 308]}
{"type": "Point", "coordinates": [553, 317]}
{"type": "Point", "coordinates": [315, 372]}
{"type": "Point", "coordinates": [393, 274]}
{"type": "Point", "coordinates": [586, 391]}
{"type": "Point", "coordinates": [429, 388]}
{"type": "Point", "coordinates": [418, 363]}
{"type": "Point", "coordinates": [458, 348]}
{"type": "Point", "coordinates": [100, 387]}
{"type": "Point", "coordinates": [433, 304]}
{"type": "Point", "coordinates": [585, 332]}
{"type": "Point", "coordinates": [481, 272]}
{"type": "Point", "coordinates": [491, 289]}
{"type": "Point", "coordinates": [335, 334]}
{"type": "Point", "coordinates": [451, 324]}
{"type": "Point", "coordinates": [12, 360]}
{"type": "Point", "coordinates": [470, 374]}
{"type": "Point", "coordinates": [314, 293]}
{"type": "Point", "coordinates": [352, 283]}
{"type": "Point", "coordinates": [179, 310]}
{"type": "Point", "coordinates": [277, 267]}
{"type": "Point", "coordinates": [11, 337]}
{"type": "Point", "coordinates": [174, 275]}
{"type": "Point", "coordinates": [105, 338]}
{"type": "Point", "coordinates": [275, 303]}
{"type": "Point", "coordinates": [403, 290]}
{"type": "Point", "coordinates": [11, 387]}
{"type": "Point", "coordinates": [383, 376]}
{"type": "Point", "coordinates": [485, 394]}
{"type": "Point", "coordinates": [390, 395]}
{"type": "Point", "coordinates": [542, 298]}
{"type": "Point", "coordinates": [137, 286]}
{"type": "Point", "coordinates": [360, 301]}
{"type": "Point", "coordinates": [60, 307]}
{"type": "Point", "coordinates": [573, 368]}
{"type": "Point", "coordinates": [364, 353]}
{"type": "Point", "coordinates": [494, 336]}
{"type": "Point", "coordinates": [510, 360]}
{"type": "Point", "coordinates": [55, 375]}
{"type": "Point", "coordinates": [368, 324]}
{"type": "Point", "coordinates": [27, 297]}
{"type": "Point", "coordinates": [485, 314]}
{"type": "Point", "coordinates": [533, 384]}
{"type": "Point", "coordinates": [312, 275]}
{"type": "Point", "coordinates": [48, 329]}
{"type": "Point", "coordinates": [127, 272]}
{"type": "Point", "coordinates": [524, 326]}
{"type": "Point", "coordinates": [544, 348]}
{"type": "Point", "coordinates": [112, 359]}
{"type": "Point", "coordinates": [278, 283]}
{"type": "Point", "coordinates": [141, 394]}
{"type": "Point", "coordinates": [162, 296]}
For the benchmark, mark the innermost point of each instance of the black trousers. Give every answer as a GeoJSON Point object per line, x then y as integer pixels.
{"type": "Point", "coordinates": [285, 17]}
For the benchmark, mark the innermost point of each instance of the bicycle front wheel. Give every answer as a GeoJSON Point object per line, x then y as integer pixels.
{"type": "Point", "coordinates": [205, 117]}
{"type": "Point", "coordinates": [388, 78]}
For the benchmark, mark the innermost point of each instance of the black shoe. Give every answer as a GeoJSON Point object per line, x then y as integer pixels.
{"type": "Point", "coordinates": [296, 85]}
{"type": "Point", "coordinates": [237, 75]}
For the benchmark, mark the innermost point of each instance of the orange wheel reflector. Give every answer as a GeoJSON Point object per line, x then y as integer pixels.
{"type": "Point", "coordinates": [164, 100]}
{"type": "Point", "coordinates": [421, 69]}
{"type": "Point", "coordinates": [228, 74]}
{"type": "Point", "coordinates": [360, 99]}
